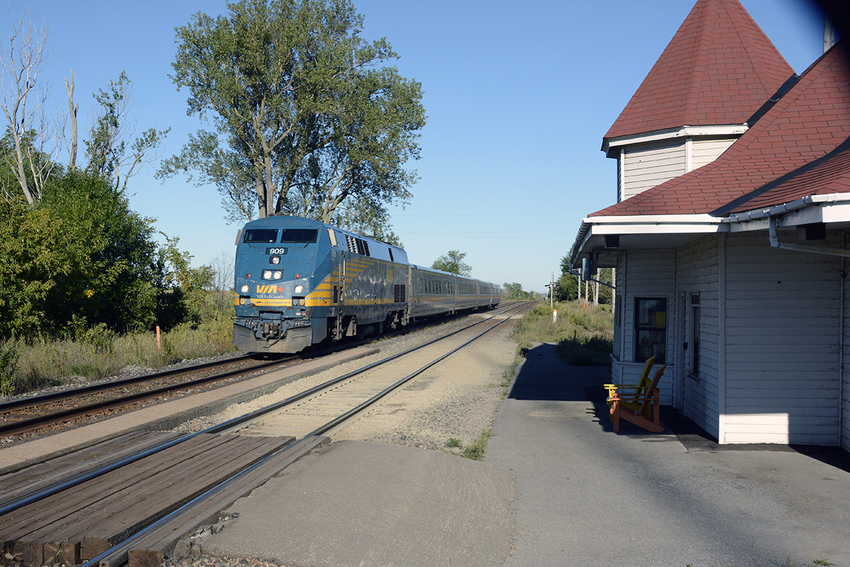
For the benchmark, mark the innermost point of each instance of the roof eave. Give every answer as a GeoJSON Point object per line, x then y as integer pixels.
{"type": "Point", "coordinates": [611, 144]}
{"type": "Point", "coordinates": [641, 231]}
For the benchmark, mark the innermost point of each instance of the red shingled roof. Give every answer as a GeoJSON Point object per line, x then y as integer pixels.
{"type": "Point", "coordinates": [828, 175]}
{"type": "Point", "coordinates": [806, 124]}
{"type": "Point", "coordinates": [718, 69]}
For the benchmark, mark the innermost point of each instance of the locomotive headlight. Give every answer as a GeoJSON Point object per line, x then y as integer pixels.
{"type": "Point", "coordinates": [245, 288]}
{"type": "Point", "coordinates": [274, 260]}
{"type": "Point", "coordinates": [278, 275]}
{"type": "Point", "coordinates": [267, 274]}
{"type": "Point", "coordinates": [298, 289]}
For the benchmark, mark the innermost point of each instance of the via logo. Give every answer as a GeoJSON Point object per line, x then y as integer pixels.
{"type": "Point", "coordinates": [269, 289]}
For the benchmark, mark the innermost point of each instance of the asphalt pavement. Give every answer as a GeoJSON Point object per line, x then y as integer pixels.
{"type": "Point", "coordinates": [557, 487]}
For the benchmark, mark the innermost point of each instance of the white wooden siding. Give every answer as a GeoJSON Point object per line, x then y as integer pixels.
{"type": "Point", "coordinates": [647, 165]}
{"type": "Point", "coordinates": [650, 274]}
{"type": "Point", "coordinates": [704, 151]}
{"type": "Point", "coordinates": [697, 272]}
{"type": "Point", "coordinates": [782, 344]}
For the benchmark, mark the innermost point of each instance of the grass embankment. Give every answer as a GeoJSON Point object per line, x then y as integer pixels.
{"type": "Point", "coordinates": [584, 334]}
{"type": "Point", "coordinates": [98, 352]}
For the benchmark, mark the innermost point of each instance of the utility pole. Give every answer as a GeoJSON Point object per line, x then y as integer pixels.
{"type": "Point", "coordinates": [552, 287]}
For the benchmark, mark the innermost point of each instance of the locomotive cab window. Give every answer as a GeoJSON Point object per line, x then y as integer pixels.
{"type": "Point", "coordinates": [299, 235]}
{"type": "Point", "coordinates": [260, 236]}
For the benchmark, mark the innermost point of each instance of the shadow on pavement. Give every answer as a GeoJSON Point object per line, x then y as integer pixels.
{"type": "Point", "coordinates": [544, 376]}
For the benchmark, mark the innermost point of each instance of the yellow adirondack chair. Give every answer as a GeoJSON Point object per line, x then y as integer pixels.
{"type": "Point", "coordinates": [640, 387]}
{"type": "Point", "coordinates": [647, 414]}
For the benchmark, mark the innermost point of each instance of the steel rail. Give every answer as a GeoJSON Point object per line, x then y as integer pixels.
{"type": "Point", "coordinates": [32, 423]}
{"type": "Point", "coordinates": [44, 492]}
{"type": "Point", "coordinates": [76, 392]}
{"type": "Point", "coordinates": [119, 554]}
{"type": "Point", "coordinates": [357, 409]}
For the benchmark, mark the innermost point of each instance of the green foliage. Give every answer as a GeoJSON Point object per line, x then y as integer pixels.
{"type": "Point", "coordinates": [28, 259]}
{"type": "Point", "coordinates": [452, 262]}
{"type": "Point", "coordinates": [80, 259]}
{"type": "Point", "coordinates": [186, 298]}
{"type": "Point", "coordinates": [107, 256]}
{"type": "Point", "coordinates": [568, 284]}
{"type": "Point", "coordinates": [567, 289]}
{"type": "Point", "coordinates": [514, 291]}
{"type": "Point", "coordinates": [584, 333]}
{"type": "Point", "coordinates": [453, 442]}
{"type": "Point", "coordinates": [305, 117]}
{"type": "Point", "coordinates": [364, 218]}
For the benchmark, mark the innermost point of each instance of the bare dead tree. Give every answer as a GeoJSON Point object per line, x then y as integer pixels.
{"type": "Point", "coordinates": [23, 104]}
{"type": "Point", "coordinates": [222, 283]}
{"type": "Point", "coordinates": [73, 109]}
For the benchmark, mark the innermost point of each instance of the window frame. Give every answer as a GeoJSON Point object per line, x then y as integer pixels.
{"type": "Point", "coordinates": [694, 342]}
{"type": "Point", "coordinates": [639, 329]}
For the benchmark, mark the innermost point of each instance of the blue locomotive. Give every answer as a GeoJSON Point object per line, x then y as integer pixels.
{"type": "Point", "coordinates": [301, 282]}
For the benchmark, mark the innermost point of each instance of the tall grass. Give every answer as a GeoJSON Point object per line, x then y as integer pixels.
{"type": "Point", "coordinates": [98, 352]}
{"type": "Point", "coordinates": [584, 334]}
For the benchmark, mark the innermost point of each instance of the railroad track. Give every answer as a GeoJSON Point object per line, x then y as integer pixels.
{"type": "Point", "coordinates": [48, 413]}
{"type": "Point", "coordinates": [54, 411]}
{"type": "Point", "coordinates": [155, 487]}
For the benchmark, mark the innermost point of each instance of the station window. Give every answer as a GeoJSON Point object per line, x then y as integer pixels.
{"type": "Point", "coordinates": [650, 329]}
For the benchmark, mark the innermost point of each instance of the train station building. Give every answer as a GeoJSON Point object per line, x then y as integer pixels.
{"type": "Point", "coordinates": [731, 233]}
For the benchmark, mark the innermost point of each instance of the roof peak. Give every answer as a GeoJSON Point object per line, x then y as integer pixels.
{"type": "Point", "coordinates": [718, 69]}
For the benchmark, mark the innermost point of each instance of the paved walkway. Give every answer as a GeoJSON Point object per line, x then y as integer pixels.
{"type": "Point", "coordinates": [589, 496]}
{"type": "Point", "coordinates": [557, 488]}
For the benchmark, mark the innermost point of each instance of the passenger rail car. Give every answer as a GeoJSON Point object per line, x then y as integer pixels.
{"type": "Point", "coordinates": [301, 282]}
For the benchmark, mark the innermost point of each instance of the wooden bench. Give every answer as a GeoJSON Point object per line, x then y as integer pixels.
{"type": "Point", "coordinates": [640, 407]}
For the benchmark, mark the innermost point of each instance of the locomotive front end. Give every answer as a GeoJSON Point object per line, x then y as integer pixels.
{"type": "Point", "coordinates": [275, 266]}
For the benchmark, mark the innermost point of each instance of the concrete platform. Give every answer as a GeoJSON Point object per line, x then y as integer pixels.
{"type": "Point", "coordinates": [557, 488]}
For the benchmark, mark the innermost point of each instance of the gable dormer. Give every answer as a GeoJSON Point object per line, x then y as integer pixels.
{"type": "Point", "coordinates": [715, 73]}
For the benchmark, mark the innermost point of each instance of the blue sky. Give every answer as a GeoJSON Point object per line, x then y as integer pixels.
{"type": "Point", "coordinates": [518, 98]}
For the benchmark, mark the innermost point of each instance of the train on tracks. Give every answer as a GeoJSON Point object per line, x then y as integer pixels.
{"type": "Point", "coordinates": [300, 282]}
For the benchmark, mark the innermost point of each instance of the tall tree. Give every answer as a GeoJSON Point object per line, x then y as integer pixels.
{"type": "Point", "coordinates": [305, 117]}
{"type": "Point", "coordinates": [452, 262]}
{"type": "Point", "coordinates": [567, 283]}
{"type": "Point", "coordinates": [107, 148]}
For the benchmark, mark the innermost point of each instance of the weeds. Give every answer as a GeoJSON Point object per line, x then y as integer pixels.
{"type": "Point", "coordinates": [453, 442]}
{"type": "Point", "coordinates": [478, 447]}
{"type": "Point", "coordinates": [97, 352]}
{"type": "Point", "coordinates": [9, 354]}
{"type": "Point", "coordinates": [584, 333]}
